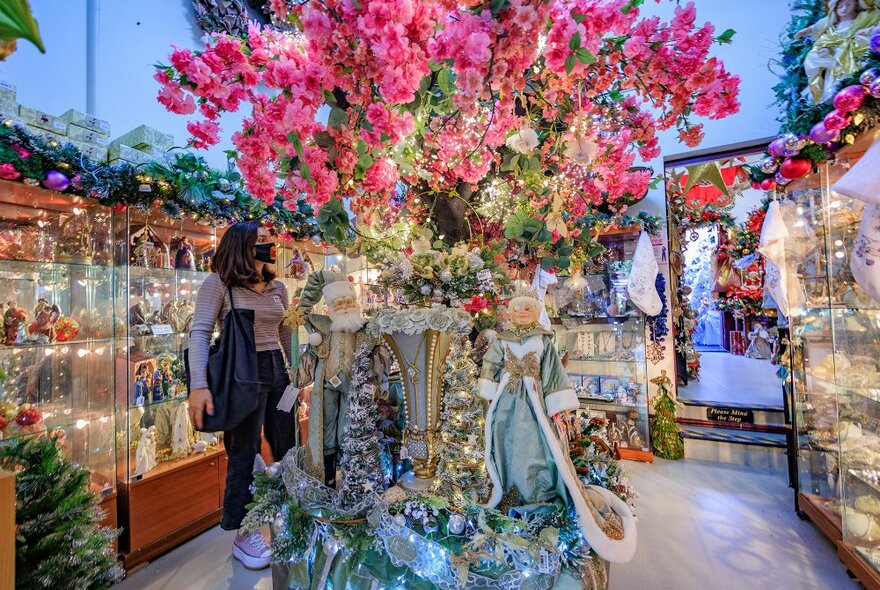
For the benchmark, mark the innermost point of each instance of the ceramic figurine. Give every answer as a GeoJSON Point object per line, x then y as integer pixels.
{"type": "Point", "coordinates": [13, 318]}
{"type": "Point", "coordinates": [529, 391]}
{"type": "Point", "coordinates": [145, 455]}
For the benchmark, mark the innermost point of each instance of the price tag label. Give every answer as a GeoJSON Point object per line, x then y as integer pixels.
{"type": "Point", "coordinates": [161, 329]}
{"type": "Point", "coordinates": [484, 275]}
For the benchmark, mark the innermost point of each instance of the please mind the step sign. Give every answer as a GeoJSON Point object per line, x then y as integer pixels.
{"type": "Point", "coordinates": [730, 415]}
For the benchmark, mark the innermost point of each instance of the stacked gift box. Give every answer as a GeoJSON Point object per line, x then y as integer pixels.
{"type": "Point", "coordinates": [89, 134]}
{"type": "Point", "coordinates": [141, 145]}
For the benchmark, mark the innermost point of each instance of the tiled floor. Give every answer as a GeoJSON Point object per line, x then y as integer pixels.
{"type": "Point", "coordinates": [725, 377]}
{"type": "Point", "coordinates": [702, 526]}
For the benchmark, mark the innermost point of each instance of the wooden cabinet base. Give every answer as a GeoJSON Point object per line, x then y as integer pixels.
{"type": "Point", "coordinates": [635, 455]}
{"type": "Point", "coordinates": [169, 505]}
{"type": "Point", "coordinates": [825, 520]}
{"type": "Point", "coordinates": [861, 569]}
{"type": "Point", "coordinates": [7, 531]}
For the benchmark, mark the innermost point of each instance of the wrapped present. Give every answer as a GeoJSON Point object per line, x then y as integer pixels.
{"type": "Point", "coordinates": [127, 153]}
{"type": "Point", "coordinates": [47, 135]}
{"type": "Point", "coordinates": [146, 138]}
{"type": "Point", "coordinates": [737, 342]}
{"type": "Point", "coordinates": [86, 121]}
{"type": "Point", "coordinates": [84, 135]}
{"type": "Point", "coordinates": [35, 118]}
{"type": "Point", "coordinates": [93, 152]}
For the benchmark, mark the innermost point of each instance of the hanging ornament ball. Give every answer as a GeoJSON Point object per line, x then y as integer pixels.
{"type": "Point", "coordinates": [874, 88]}
{"type": "Point", "coordinates": [756, 185]}
{"type": "Point", "coordinates": [56, 181]}
{"type": "Point", "coordinates": [868, 76]}
{"type": "Point", "coordinates": [875, 41]}
{"type": "Point", "coordinates": [821, 134]}
{"type": "Point", "coordinates": [224, 185]}
{"type": "Point", "coordinates": [793, 143]}
{"type": "Point", "coordinates": [769, 165]}
{"type": "Point", "coordinates": [780, 179]}
{"type": "Point", "coordinates": [776, 147]}
{"type": "Point", "coordinates": [316, 240]}
{"type": "Point", "coordinates": [399, 520]}
{"type": "Point", "coordinates": [850, 98]}
{"type": "Point", "coordinates": [425, 289]}
{"type": "Point", "coordinates": [118, 207]}
{"type": "Point", "coordinates": [201, 175]}
{"type": "Point", "coordinates": [795, 167]}
{"type": "Point", "coordinates": [835, 120]}
{"type": "Point", "coordinates": [456, 524]}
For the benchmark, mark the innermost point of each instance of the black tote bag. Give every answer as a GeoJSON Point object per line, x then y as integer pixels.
{"type": "Point", "coordinates": [232, 371]}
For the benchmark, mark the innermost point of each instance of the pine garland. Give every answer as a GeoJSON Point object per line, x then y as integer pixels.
{"type": "Point", "coordinates": [462, 472]}
{"type": "Point", "coordinates": [665, 437]}
{"type": "Point", "coordinates": [59, 542]}
{"type": "Point", "coordinates": [361, 469]}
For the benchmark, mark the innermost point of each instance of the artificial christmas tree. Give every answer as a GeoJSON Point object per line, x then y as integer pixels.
{"type": "Point", "coordinates": [665, 438]}
{"type": "Point", "coordinates": [59, 542]}
{"type": "Point", "coordinates": [361, 472]}
{"type": "Point", "coordinates": [462, 472]}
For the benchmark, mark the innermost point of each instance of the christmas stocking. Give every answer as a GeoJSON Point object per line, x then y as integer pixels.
{"type": "Point", "coordinates": [865, 259]}
{"type": "Point", "coordinates": [862, 181]}
{"type": "Point", "coordinates": [641, 287]}
{"type": "Point", "coordinates": [780, 278]}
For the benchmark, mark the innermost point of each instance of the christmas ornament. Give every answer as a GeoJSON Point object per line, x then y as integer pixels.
{"type": "Point", "coordinates": [792, 144]}
{"type": "Point", "coordinates": [28, 415]}
{"type": "Point", "coordinates": [795, 167]}
{"type": "Point", "coordinates": [76, 181]}
{"type": "Point", "coordinates": [430, 525]}
{"type": "Point", "coordinates": [202, 175]}
{"type": "Point", "coordinates": [456, 524]}
{"type": "Point", "coordinates": [56, 181]}
{"type": "Point", "coordinates": [31, 181]}
{"type": "Point", "coordinates": [400, 520]}
{"type": "Point", "coordinates": [9, 172]}
{"type": "Point", "coordinates": [224, 185]}
{"type": "Point", "coordinates": [821, 134]}
{"type": "Point", "coordinates": [874, 88]}
{"type": "Point", "coordinates": [768, 184]}
{"type": "Point", "coordinates": [776, 147]}
{"type": "Point", "coordinates": [875, 41]}
{"type": "Point", "coordinates": [780, 179]}
{"type": "Point", "coordinates": [869, 75]}
{"type": "Point", "coordinates": [835, 120]}
{"type": "Point", "coordinates": [66, 329]}
{"type": "Point", "coordinates": [768, 165]}
{"type": "Point", "coordinates": [850, 98]}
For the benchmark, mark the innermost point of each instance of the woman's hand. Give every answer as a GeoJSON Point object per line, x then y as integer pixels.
{"type": "Point", "coordinates": [200, 401]}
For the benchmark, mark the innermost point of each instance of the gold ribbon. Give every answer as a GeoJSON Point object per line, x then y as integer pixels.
{"type": "Point", "coordinates": [517, 368]}
{"type": "Point", "coordinates": [854, 49]}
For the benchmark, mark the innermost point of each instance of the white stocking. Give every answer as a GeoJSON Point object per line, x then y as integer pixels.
{"type": "Point", "coordinates": [642, 279]}
{"type": "Point", "coordinates": [862, 181]}
{"type": "Point", "coordinates": [865, 259]}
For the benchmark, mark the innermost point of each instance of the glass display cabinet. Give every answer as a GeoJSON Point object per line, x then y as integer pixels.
{"type": "Point", "coordinates": [171, 478]}
{"type": "Point", "coordinates": [56, 344]}
{"type": "Point", "coordinates": [601, 339]}
{"type": "Point", "coordinates": [836, 375]}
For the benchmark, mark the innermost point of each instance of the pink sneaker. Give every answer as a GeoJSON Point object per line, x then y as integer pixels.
{"type": "Point", "coordinates": [252, 551]}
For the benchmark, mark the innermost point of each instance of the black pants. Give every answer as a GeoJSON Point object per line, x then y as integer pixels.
{"type": "Point", "coordinates": [243, 443]}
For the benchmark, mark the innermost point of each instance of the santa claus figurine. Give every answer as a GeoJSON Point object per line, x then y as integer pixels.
{"type": "Point", "coordinates": [13, 318]}
{"type": "Point", "coordinates": [329, 362]}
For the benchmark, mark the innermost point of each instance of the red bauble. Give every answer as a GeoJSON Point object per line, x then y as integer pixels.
{"type": "Point", "coordinates": [795, 167]}
{"type": "Point", "coordinates": [3, 423]}
{"type": "Point", "coordinates": [757, 186]}
{"type": "Point", "coordinates": [768, 184]}
{"type": "Point", "coordinates": [28, 417]}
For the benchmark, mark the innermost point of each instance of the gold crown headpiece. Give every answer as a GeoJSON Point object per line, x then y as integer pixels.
{"type": "Point", "coordinates": [525, 292]}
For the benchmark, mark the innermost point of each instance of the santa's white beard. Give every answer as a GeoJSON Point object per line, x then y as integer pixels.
{"type": "Point", "coordinates": [349, 321]}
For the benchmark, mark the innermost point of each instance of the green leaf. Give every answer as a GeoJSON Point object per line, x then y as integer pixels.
{"type": "Point", "coordinates": [356, 4]}
{"type": "Point", "coordinates": [585, 57]}
{"type": "Point", "coordinates": [726, 36]}
{"type": "Point", "coordinates": [16, 21]}
{"type": "Point", "coordinates": [570, 62]}
{"type": "Point", "coordinates": [630, 5]}
{"type": "Point", "coordinates": [445, 82]}
{"type": "Point", "coordinates": [337, 118]}
{"type": "Point", "coordinates": [323, 140]}
{"type": "Point", "coordinates": [293, 138]}
{"type": "Point", "coordinates": [304, 171]}
{"type": "Point", "coordinates": [365, 161]}
{"type": "Point", "coordinates": [329, 98]}
{"type": "Point", "coordinates": [548, 262]}
{"type": "Point", "coordinates": [578, 18]}
{"type": "Point", "coordinates": [575, 42]}
{"type": "Point", "coordinates": [361, 147]}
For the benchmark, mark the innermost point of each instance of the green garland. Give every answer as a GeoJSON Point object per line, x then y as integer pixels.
{"type": "Point", "coordinates": [181, 185]}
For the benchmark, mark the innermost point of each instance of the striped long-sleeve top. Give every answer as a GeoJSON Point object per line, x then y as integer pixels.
{"type": "Point", "coordinates": [212, 305]}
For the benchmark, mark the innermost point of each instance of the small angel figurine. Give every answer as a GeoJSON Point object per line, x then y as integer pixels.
{"type": "Point", "coordinates": [528, 389]}
{"type": "Point", "coordinates": [182, 432]}
{"type": "Point", "coordinates": [842, 41]}
{"type": "Point", "coordinates": [145, 456]}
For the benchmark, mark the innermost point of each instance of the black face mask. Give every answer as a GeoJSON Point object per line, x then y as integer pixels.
{"type": "Point", "coordinates": [266, 253]}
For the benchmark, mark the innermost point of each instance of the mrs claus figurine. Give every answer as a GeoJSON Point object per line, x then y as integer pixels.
{"type": "Point", "coordinates": [524, 380]}
{"type": "Point", "coordinates": [145, 455]}
{"type": "Point", "coordinates": [842, 40]}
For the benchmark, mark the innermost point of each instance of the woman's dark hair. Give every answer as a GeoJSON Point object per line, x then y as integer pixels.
{"type": "Point", "coordinates": [234, 259]}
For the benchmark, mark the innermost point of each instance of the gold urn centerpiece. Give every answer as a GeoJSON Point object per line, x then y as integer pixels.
{"type": "Point", "coordinates": [420, 339]}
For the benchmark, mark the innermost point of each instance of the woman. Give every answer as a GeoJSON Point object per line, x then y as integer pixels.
{"type": "Point", "coordinates": [244, 264]}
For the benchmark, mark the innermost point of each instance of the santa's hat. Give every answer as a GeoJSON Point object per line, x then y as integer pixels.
{"type": "Point", "coordinates": [337, 290]}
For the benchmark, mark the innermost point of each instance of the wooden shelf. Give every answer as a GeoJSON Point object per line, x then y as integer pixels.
{"type": "Point", "coordinates": [7, 531]}
{"type": "Point", "coordinates": [858, 566]}
{"type": "Point", "coordinates": [635, 455]}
